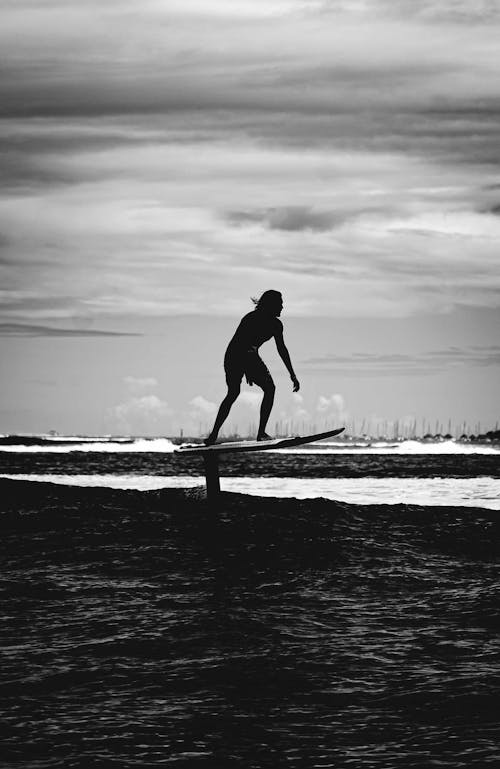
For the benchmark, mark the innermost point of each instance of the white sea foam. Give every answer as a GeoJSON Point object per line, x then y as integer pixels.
{"type": "Point", "coordinates": [137, 482]}
{"type": "Point", "coordinates": [453, 492]}
{"type": "Point", "coordinates": [403, 447]}
{"type": "Point", "coordinates": [165, 446]}
{"type": "Point", "coordinates": [155, 445]}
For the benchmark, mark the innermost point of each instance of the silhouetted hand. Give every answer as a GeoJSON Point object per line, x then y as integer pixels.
{"type": "Point", "coordinates": [296, 384]}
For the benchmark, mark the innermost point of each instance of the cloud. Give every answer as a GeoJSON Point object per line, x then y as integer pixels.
{"type": "Point", "coordinates": [347, 151]}
{"type": "Point", "coordinates": [331, 408]}
{"type": "Point", "coordinates": [140, 384]}
{"type": "Point", "coordinates": [288, 218]}
{"type": "Point", "coordinates": [202, 407]}
{"type": "Point", "coordinates": [199, 416]}
{"type": "Point", "coordinates": [298, 403]}
{"type": "Point", "coordinates": [250, 398]}
{"type": "Point", "coordinates": [26, 303]}
{"type": "Point", "coordinates": [457, 11]}
{"type": "Point", "coordinates": [295, 410]}
{"type": "Point", "coordinates": [148, 58]}
{"type": "Point", "coordinates": [144, 414]}
{"type": "Point", "coordinates": [24, 329]}
{"type": "Point", "coordinates": [333, 403]}
{"type": "Point", "coordinates": [397, 364]}
{"type": "Point", "coordinates": [154, 248]}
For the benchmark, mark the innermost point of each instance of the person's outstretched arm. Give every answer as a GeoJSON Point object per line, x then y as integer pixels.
{"type": "Point", "coordinates": [285, 357]}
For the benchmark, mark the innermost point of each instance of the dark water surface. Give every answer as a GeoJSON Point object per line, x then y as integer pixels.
{"type": "Point", "coordinates": [146, 629]}
{"type": "Point", "coordinates": [262, 464]}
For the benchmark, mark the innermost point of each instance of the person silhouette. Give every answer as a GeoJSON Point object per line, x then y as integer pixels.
{"type": "Point", "coordinates": [242, 358]}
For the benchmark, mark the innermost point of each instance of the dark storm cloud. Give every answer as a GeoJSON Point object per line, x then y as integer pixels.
{"type": "Point", "coordinates": [317, 121]}
{"type": "Point", "coordinates": [378, 91]}
{"type": "Point", "coordinates": [338, 89]}
{"type": "Point", "coordinates": [39, 138]}
{"type": "Point", "coordinates": [288, 218]}
{"type": "Point", "coordinates": [389, 101]}
{"type": "Point", "coordinates": [358, 75]}
{"type": "Point", "coordinates": [23, 329]}
{"type": "Point", "coordinates": [29, 303]}
{"type": "Point", "coordinates": [27, 170]}
{"type": "Point", "coordinates": [29, 151]}
{"type": "Point", "coordinates": [344, 136]}
{"type": "Point", "coordinates": [431, 362]}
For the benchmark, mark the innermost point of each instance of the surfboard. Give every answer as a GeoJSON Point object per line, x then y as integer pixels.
{"type": "Point", "coordinates": [237, 446]}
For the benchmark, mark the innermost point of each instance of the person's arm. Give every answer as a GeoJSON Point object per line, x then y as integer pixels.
{"type": "Point", "coordinates": [285, 357]}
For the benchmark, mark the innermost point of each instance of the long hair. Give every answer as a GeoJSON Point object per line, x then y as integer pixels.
{"type": "Point", "coordinates": [267, 300]}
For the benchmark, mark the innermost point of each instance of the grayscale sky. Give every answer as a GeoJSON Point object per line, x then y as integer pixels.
{"type": "Point", "coordinates": [164, 160]}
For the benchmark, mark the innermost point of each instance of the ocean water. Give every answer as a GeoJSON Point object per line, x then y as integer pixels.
{"type": "Point", "coordinates": [148, 628]}
{"type": "Point", "coordinates": [408, 472]}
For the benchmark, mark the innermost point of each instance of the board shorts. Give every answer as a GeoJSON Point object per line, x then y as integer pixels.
{"type": "Point", "coordinates": [251, 366]}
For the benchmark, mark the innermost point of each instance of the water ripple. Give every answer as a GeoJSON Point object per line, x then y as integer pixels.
{"type": "Point", "coordinates": [147, 629]}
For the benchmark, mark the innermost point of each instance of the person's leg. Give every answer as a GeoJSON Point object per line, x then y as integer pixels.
{"type": "Point", "coordinates": [265, 408]}
{"type": "Point", "coordinates": [233, 390]}
{"type": "Point", "coordinates": [257, 371]}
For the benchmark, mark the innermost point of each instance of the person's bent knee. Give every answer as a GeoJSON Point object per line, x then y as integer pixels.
{"type": "Point", "coordinates": [269, 388]}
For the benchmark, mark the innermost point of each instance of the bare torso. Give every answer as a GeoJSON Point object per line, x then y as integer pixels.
{"type": "Point", "coordinates": [254, 329]}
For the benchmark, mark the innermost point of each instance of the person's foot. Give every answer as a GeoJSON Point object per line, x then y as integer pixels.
{"type": "Point", "coordinates": [210, 440]}
{"type": "Point", "coordinates": [264, 437]}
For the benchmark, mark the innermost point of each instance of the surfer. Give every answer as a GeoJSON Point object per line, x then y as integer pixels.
{"type": "Point", "coordinates": [242, 358]}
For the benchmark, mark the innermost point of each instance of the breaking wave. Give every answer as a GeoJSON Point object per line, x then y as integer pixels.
{"type": "Point", "coordinates": [481, 492]}
{"type": "Point", "coordinates": [111, 446]}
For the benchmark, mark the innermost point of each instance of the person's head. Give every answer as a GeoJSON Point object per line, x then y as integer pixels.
{"type": "Point", "coordinates": [270, 302]}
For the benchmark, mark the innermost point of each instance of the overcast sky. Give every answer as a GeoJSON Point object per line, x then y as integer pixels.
{"type": "Point", "coordinates": [163, 160]}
